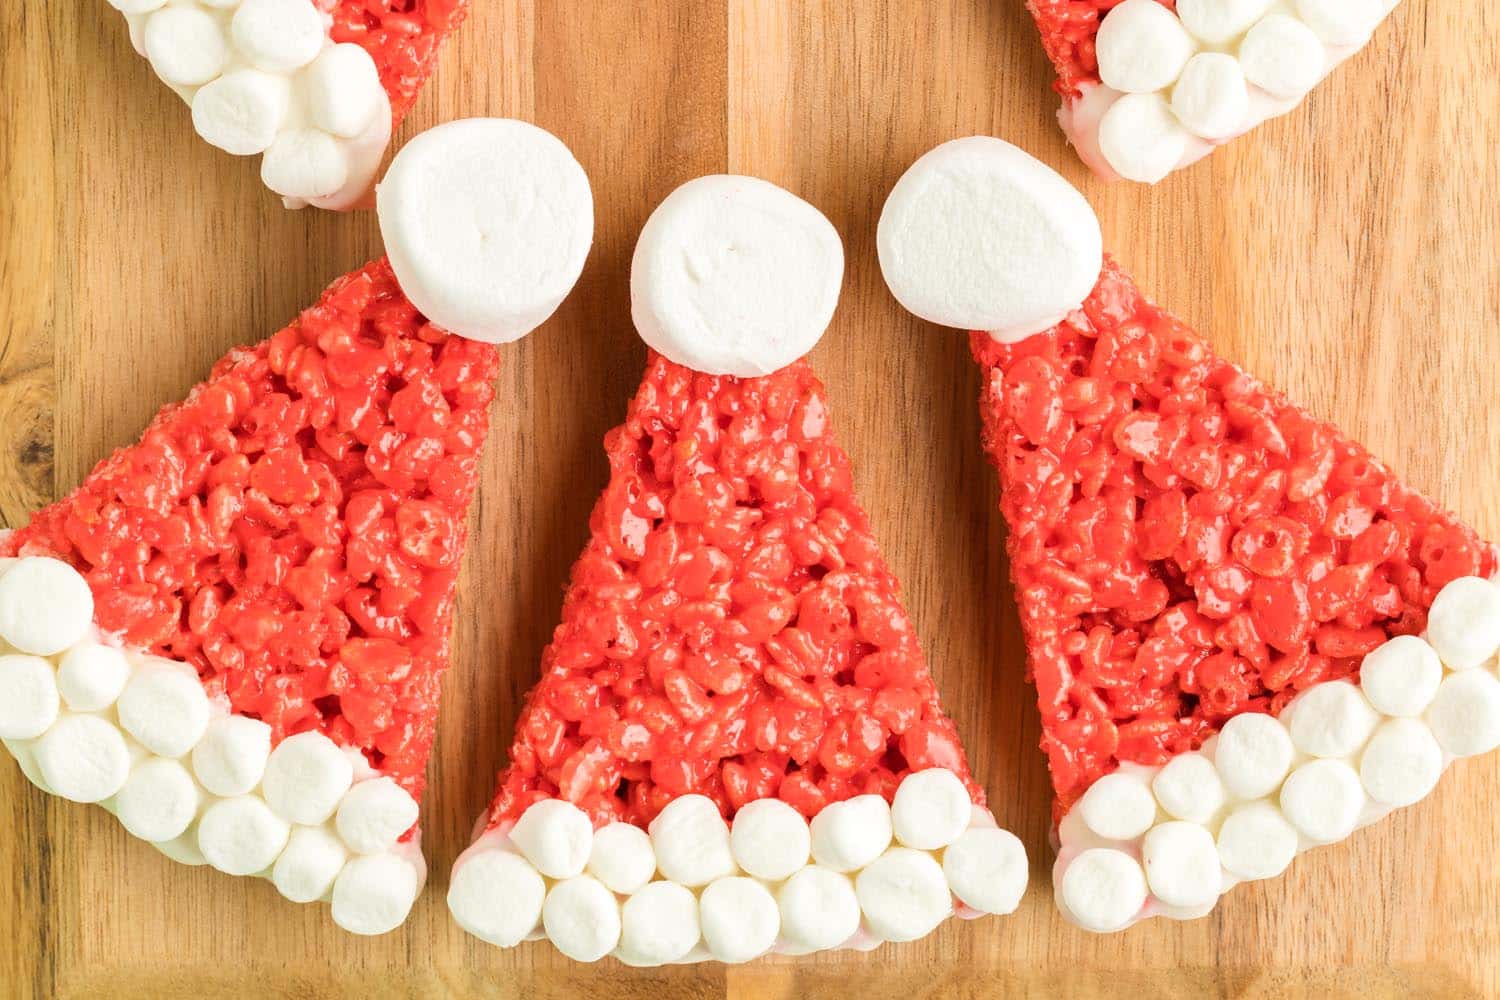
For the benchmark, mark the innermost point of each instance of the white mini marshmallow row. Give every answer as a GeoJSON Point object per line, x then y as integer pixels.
{"type": "Point", "coordinates": [1176, 85]}
{"type": "Point", "coordinates": [1170, 840]}
{"type": "Point", "coordinates": [263, 78]}
{"type": "Point", "coordinates": [695, 888]}
{"type": "Point", "coordinates": [138, 734]}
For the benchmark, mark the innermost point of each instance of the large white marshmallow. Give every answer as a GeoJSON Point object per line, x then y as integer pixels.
{"type": "Point", "coordinates": [691, 841]}
{"type": "Point", "coordinates": [373, 894]}
{"type": "Point", "coordinates": [735, 276]}
{"type": "Point", "coordinates": [1253, 755]}
{"type": "Point", "coordinates": [1182, 864]}
{"type": "Point", "coordinates": [1463, 623]}
{"type": "Point", "coordinates": [819, 908]}
{"type": "Point", "coordinates": [582, 918]}
{"type": "Point", "coordinates": [621, 857]}
{"type": "Point", "coordinates": [374, 814]}
{"type": "Point", "coordinates": [1189, 788]}
{"type": "Point", "coordinates": [770, 839]}
{"type": "Point", "coordinates": [241, 112]}
{"type": "Point", "coordinates": [1465, 715]}
{"type": "Point", "coordinates": [903, 894]}
{"type": "Point", "coordinates": [83, 758]}
{"type": "Point", "coordinates": [1323, 799]}
{"type": "Point", "coordinates": [306, 776]}
{"type": "Point", "coordinates": [45, 606]}
{"type": "Point", "coordinates": [91, 676]}
{"type": "Point", "coordinates": [497, 896]}
{"type": "Point", "coordinates": [1332, 719]}
{"type": "Point", "coordinates": [978, 235]}
{"type": "Point", "coordinates": [231, 758]}
{"type": "Point", "coordinates": [1103, 889]}
{"type": "Point", "coordinates": [305, 163]}
{"type": "Point", "coordinates": [1118, 806]}
{"type": "Point", "coordinates": [164, 707]}
{"type": "Point", "coordinates": [1401, 677]}
{"type": "Point", "coordinates": [1401, 763]}
{"type": "Point", "coordinates": [740, 919]}
{"type": "Point", "coordinates": [308, 866]}
{"type": "Point", "coordinates": [1283, 57]}
{"type": "Point", "coordinates": [987, 870]}
{"type": "Point", "coordinates": [185, 45]}
{"type": "Point", "coordinates": [659, 924]}
{"type": "Point", "coordinates": [343, 91]}
{"type": "Point", "coordinates": [1219, 21]}
{"type": "Point", "coordinates": [159, 800]}
{"type": "Point", "coordinates": [29, 701]}
{"type": "Point", "coordinates": [1256, 841]}
{"type": "Point", "coordinates": [279, 35]}
{"type": "Point", "coordinates": [1141, 139]}
{"type": "Point", "coordinates": [487, 223]}
{"type": "Point", "coordinates": [556, 836]}
{"type": "Point", "coordinates": [848, 835]}
{"type": "Point", "coordinates": [931, 809]}
{"type": "Point", "coordinates": [1142, 47]}
{"type": "Point", "coordinates": [1211, 97]}
{"type": "Point", "coordinates": [241, 836]}
{"type": "Point", "coordinates": [1341, 22]}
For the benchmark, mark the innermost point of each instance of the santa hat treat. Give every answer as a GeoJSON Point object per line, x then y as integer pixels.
{"type": "Point", "coordinates": [1248, 637]}
{"type": "Point", "coordinates": [231, 634]}
{"type": "Point", "coordinates": [735, 746]}
{"type": "Point", "coordinates": [1150, 86]}
{"type": "Point", "coordinates": [313, 87]}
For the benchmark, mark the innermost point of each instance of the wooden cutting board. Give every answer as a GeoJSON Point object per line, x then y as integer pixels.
{"type": "Point", "coordinates": [1349, 253]}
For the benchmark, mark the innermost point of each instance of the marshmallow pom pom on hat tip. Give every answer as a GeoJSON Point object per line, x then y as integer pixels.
{"type": "Point", "coordinates": [978, 235]}
{"type": "Point", "coordinates": [487, 223]}
{"type": "Point", "coordinates": [735, 276]}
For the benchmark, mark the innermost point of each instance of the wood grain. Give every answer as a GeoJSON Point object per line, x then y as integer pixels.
{"type": "Point", "coordinates": [1349, 252]}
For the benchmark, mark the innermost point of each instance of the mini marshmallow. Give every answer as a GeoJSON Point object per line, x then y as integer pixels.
{"type": "Point", "coordinates": [1211, 97]}
{"type": "Point", "coordinates": [241, 836]}
{"type": "Point", "coordinates": [848, 835]}
{"type": "Point", "coordinates": [903, 894]}
{"type": "Point", "coordinates": [1188, 788]}
{"type": "Point", "coordinates": [740, 919]}
{"type": "Point", "coordinates": [1182, 864]}
{"type": "Point", "coordinates": [1141, 139]}
{"type": "Point", "coordinates": [931, 809]}
{"type": "Point", "coordinates": [556, 836]}
{"type": "Point", "coordinates": [24, 751]}
{"type": "Point", "coordinates": [978, 235]}
{"type": "Point", "coordinates": [1332, 719]}
{"type": "Point", "coordinates": [304, 163]}
{"type": "Point", "coordinates": [1219, 21]}
{"type": "Point", "coordinates": [278, 35]}
{"type": "Point", "coordinates": [1401, 677]}
{"type": "Point", "coordinates": [308, 866]}
{"type": "Point", "coordinates": [1463, 624]}
{"type": "Point", "coordinates": [305, 778]}
{"type": "Point", "coordinates": [819, 908]}
{"type": "Point", "coordinates": [1401, 763]}
{"type": "Point", "coordinates": [242, 112]}
{"type": "Point", "coordinates": [1323, 799]}
{"type": "Point", "coordinates": [231, 758]}
{"type": "Point", "coordinates": [582, 918]}
{"type": "Point", "coordinates": [90, 676]}
{"type": "Point", "coordinates": [1341, 22]}
{"type": "Point", "coordinates": [165, 707]}
{"type": "Point", "coordinates": [185, 45]}
{"type": "Point", "coordinates": [496, 896]}
{"type": "Point", "coordinates": [373, 894]}
{"type": "Point", "coordinates": [343, 90]}
{"type": "Point", "coordinates": [659, 924]}
{"type": "Point", "coordinates": [1465, 715]}
{"type": "Point", "coordinates": [735, 276]}
{"type": "Point", "coordinates": [691, 841]}
{"type": "Point", "coordinates": [45, 606]}
{"type": "Point", "coordinates": [1283, 57]}
{"type": "Point", "coordinates": [29, 702]}
{"type": "Point", "coordinates": [987, 870]}
{"type": "Point", "coordinates": [1104, 889]}
{"type": "Point", "coordinates": [159, 800]}
{"type": "Point", "coordinates": [182, 849]}
{"type": "Point", "coordinates": [487, 223]}
{"type": "Point", "coordinates": [83, 758]}
{"type": "Point", "coordinates": [1118, 806]}
{"type": "Point", "coordinates": [374, 814]}
{"type": "Point", "coordinates": [1253, 755]}
{"type": "Point", "coordinates": [1256, 841]}
{"type": "Point", "coordinates": [621, 857]}
{"type": "Point", "coordinates": [1141, 47]}
{"type": "Point", "coordinates": [770, 839]}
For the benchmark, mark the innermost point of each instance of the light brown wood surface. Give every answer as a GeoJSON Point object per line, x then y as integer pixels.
{"type": "Point", "coordinates": [1349, 252]}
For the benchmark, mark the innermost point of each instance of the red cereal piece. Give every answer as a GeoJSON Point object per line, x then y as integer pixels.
{"type": "Point", "coordinates": [1185, 543]}
{"type": "Point", "coordinates": [293, 528]}
{"type": "Point", "coordinates": [403, 37]}
{"type": "Point", "coordinates": [731, 628]}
